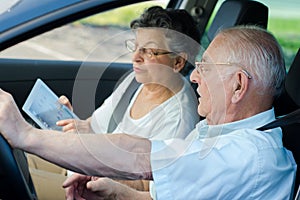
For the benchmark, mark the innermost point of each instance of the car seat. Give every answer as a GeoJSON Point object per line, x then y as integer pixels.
{"type": "Point", "coordinates": [287, 102]}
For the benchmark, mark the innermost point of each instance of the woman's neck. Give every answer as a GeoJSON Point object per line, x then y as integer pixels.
{"type": "Point", "coordinates": [172, 86]}
{"type": "Point", "coordinates": [151, 96]}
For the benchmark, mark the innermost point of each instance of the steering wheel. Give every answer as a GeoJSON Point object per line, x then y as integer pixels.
{"type": "Point", "coordinates": [15, 180]}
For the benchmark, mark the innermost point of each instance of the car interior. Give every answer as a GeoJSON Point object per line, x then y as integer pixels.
{"type": "Point", "coordinates": [290, 100]}
{"type": "Point", "coordinates": [18, 183]}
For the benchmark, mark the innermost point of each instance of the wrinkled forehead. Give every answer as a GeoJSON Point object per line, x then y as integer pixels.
{"type": "Point", "coordinates": [217, 51]}
{"type": "Point", "coordinates": [151, 37]}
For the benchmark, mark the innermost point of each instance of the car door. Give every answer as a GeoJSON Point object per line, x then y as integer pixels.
{"type": "Point", "coordinates": [83, 59]}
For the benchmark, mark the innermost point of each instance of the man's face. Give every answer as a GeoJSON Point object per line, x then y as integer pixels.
{"type": "Point", "coordinates": [213, 87]}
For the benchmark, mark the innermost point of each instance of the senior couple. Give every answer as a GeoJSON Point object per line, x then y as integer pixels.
{"type": "Point", "coordinates": [221, 157]}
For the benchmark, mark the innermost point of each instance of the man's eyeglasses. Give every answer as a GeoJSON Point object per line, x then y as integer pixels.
{"type": "Point", "coordinates": [148, 52]}
{"type": "Point", "coordinates": [202, 69]}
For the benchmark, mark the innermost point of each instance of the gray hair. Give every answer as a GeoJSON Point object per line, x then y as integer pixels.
{"type": "Point", "coordinates": [259, 52]}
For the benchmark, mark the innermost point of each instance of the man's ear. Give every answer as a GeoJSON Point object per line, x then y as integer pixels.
{"type": "Point", "coordinates": [180, 61]}
{"type": "Point", "coordinates": [240, 87]}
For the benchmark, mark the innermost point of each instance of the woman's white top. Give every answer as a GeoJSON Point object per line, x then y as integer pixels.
{"type": "Point", "coordinates": [174, 118]}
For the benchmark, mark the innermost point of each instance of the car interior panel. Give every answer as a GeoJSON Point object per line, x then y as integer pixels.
{"type": "Point", "coordinates": [63, 82]}
{"type": "Point", "coordinates": [62, 77]}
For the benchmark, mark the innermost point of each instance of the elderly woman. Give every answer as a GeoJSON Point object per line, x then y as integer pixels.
{"type": "Point", "coordinates": [164, 105]}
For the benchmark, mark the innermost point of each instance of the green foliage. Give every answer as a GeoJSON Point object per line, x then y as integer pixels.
{"type": "Point", "coordinates": [287, 32]}
{"type": "Point", "coordinates": [118, 17]}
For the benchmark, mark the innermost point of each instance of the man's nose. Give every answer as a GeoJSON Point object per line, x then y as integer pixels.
{"type": "Point", "coordinates": [195, 76]}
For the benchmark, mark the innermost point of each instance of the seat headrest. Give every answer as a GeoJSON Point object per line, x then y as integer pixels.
{"type": "Point", "coordinates": [238, 12]}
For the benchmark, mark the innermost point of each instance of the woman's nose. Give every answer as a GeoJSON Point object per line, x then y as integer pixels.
{"type": "Point", "coordinates": [136, 56]}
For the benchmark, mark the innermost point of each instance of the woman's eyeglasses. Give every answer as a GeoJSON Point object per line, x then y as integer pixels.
{"type": "Point", "coordinates": [145, 52]}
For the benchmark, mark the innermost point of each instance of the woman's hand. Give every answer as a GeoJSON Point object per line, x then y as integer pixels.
{"type": "Point", "coordinates": [73, 125]}
{"type": "Point", "coordinates": [65, 101]}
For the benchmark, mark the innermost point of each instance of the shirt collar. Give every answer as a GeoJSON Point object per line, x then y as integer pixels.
{"type": "Point", "coordinates": [254, 122]}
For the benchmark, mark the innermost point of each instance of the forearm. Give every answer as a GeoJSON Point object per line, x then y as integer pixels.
{"type": "Point", "coordinates": [117, 156]}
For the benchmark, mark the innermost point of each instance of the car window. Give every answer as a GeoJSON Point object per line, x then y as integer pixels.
{"type": "Point", "coordinates": [96, 38]}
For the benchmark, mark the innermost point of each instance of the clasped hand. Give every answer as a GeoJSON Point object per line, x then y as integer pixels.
{"type": "Point", "coordinates": [82, 187]}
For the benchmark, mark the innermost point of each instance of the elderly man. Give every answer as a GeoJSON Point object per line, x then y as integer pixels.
{"type": "Point", "coordinates": [225, 157]}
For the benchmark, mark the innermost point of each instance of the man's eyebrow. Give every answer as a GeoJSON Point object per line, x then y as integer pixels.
{"type": "Point", "coordinates": [150, 43]}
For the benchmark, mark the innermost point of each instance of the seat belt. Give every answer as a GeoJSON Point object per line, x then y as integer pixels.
{"type": "Point", "coordinates": [122, 105]}
{"type": "Point", "coordinates": [291, 118]}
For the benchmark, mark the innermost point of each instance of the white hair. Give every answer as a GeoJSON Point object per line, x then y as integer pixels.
{"type": "Point", "coordinates": [259, 52]}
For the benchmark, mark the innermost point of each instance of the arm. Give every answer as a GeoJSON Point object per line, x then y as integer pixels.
{"type": "Point", "coordinates": [117, 156]}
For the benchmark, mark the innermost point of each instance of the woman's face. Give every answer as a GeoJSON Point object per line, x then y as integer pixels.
{"type": "Point", "coordinates": [150, 68]}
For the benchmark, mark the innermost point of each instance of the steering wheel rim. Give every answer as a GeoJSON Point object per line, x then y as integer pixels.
{"type": "Point", "coordinates": [15, 179]}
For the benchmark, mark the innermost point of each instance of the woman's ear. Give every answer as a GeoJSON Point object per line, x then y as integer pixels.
{"type": "Point", "coordinates": [180, 61]}
{"type": "Point", "coordinates": [240, 87]}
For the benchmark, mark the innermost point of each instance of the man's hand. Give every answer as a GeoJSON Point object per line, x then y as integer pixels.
{"type": "Point", "coordinates": [12, 123]}
{"type": "Point", "coordinates": [82, 187]}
